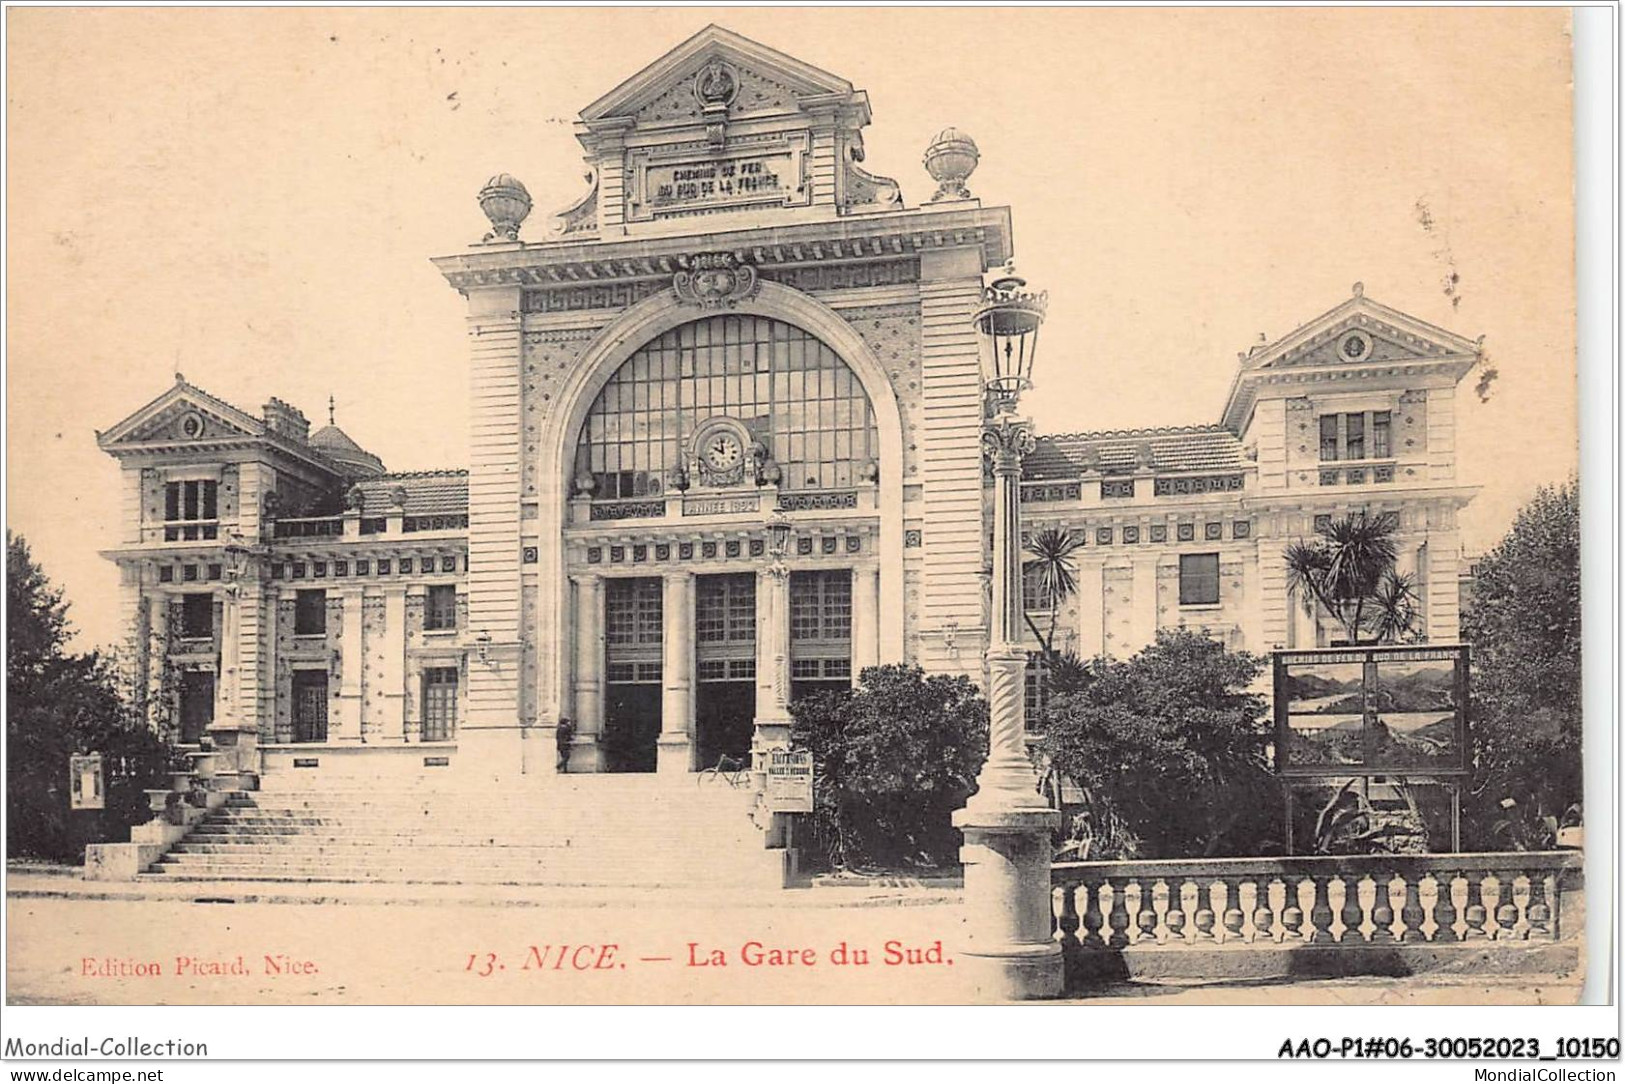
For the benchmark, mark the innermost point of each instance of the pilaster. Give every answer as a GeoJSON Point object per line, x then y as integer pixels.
{"type": "Point", "coordinates": [495, 343]}
{"type": "Point", "coordinates": [1091, 594]}
{"type": "Point", "coordinates": [1143, 604]}
{"type": "Point", "coordinates": [392, 671]}
{"type": "Point", "coordinates": [955, 551]}
{"type": "Point", "coordinates": [676, 747]}
{"type": "Point", "coordinates": [586, 755]}
{"type": "Point", "coordinates": [865, 617]}
{"type": "Point", "coordinates": [346, 723]}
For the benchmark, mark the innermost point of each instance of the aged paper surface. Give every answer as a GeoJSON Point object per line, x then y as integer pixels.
{"type": "Point", "coordinates": [247, 202]}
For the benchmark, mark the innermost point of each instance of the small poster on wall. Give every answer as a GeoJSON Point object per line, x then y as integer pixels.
{"type": "Point", "coordinates": [86, 787]}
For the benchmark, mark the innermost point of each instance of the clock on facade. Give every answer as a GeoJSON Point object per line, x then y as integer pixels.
{"type": "Point", "coordinates": [722, 452]}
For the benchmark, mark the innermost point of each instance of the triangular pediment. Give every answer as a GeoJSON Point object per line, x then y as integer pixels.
{"type": "Point", "coordinates": [180, 415]}
{"type": "Point", "coordinates": [768, 82]}
{"type": "Point", "coordinates": [1360, 332]}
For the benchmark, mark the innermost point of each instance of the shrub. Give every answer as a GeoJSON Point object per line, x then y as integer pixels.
{"type": "Point", "coordinates": [893, 759]}
{"type": "Point", "coordinates": [1169, 749]}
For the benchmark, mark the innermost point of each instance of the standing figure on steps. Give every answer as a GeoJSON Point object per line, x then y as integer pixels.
{"type": "Point", "coordinates": [566, 734]}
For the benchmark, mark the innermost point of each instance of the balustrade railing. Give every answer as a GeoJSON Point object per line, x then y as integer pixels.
{"type": "Point", "coordinates": [311, 527]}
{"type": "Point", "coordinates": [1344, 901]}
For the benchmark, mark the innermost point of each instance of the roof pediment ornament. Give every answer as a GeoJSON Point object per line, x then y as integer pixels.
{"type": "Point", "coordinates": [715, 280]}
{"type": "Point", "coordinates": [716, 86]}
{"type": "Point", "coordinates": [714, 64]}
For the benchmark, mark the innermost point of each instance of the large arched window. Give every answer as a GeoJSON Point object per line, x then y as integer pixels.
{"type": "Point", "coordinates": [795, 394]}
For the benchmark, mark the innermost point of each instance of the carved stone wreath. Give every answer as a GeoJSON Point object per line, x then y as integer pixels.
{"type": "Point", "coordinates": [715, 281]}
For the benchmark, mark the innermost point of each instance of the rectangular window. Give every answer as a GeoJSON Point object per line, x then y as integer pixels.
{"type": "Point", "coordinates": [197, 617]}
{"type": "Point", "coordinates": [1034, 597]}
{"type": "Point", "coordinates": [1036, 689]}
{"type": "Point", "coordinates": [440, 607]}
{"type": "Point", "coordinates": [1198, 579]}
{"type": "Point", "coordinates": [191, 510]}
{"type": "Point", "coordinates": [1381, 425]}
{"type": "Point", "coordinates": [309, 705]}
{"type": "Point", "coordinates": [821, 605]}
{"type": "Point", "coordinates": [1355, 426]}
{"type": "Point", "coordinates": [725, 609]}
{"type": "Point", "coordinates": [310, 613]}
{"type": "Point", "coordinates": [632, 612]}
{"type": "Point", "coordinates": [1328, 436]}
{"type": "Point", "coordinates": [439, 703]}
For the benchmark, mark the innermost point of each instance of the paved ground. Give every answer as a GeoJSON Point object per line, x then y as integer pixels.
{"type": "Point", "coordinates": [70, 942]}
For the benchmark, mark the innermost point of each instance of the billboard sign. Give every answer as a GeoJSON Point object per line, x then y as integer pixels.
{"type": "Point", "coordinates": [1396, 710]}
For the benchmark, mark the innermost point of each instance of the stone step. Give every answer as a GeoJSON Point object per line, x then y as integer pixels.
{"type": "Point", "coordinates": [442, 879]}
{"type": "Point", "coordinates": [627, 871]}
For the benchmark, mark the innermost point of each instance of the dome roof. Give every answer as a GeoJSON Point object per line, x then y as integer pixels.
{"type": "Point", "coordinates": [952, 135]}
{"type": "Point", "coordinates": [506, 180]}
{"type": "Point", "coordinates": [336, 444]}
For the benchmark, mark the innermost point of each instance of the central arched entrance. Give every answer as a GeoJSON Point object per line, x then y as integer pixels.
{"type": "Point", "coordinates": [720, 405]}
{"type": "Point", "coordinates": [804, 395]}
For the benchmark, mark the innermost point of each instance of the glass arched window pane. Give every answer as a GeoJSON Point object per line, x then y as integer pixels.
{"type": "Point", "coordinates": [795, 394]}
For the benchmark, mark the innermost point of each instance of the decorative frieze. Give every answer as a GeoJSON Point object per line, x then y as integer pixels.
{"type": "Point", "coordinates": [1184, 487]}
{"type": "Point", "coordinates": [1052, 491]}
{"type": "Point", "coordinates": [597, 295]}
{"type": "Point", "coordinates": [628, 510]}
{"type": "Point", "coordinates": [1112, 488]}
{"type": "Point", "coordinates": [844, 276]}
{"type": "Point", "coordinates": [434, 523]}
{"type": "Point", "coordinates": [817, 502]}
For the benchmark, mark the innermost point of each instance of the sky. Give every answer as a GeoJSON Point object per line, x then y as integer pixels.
{"type": "Point", "coordinates": [251, 198]}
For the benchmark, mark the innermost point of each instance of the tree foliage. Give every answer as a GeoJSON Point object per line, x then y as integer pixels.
{"type": "Point", "coordinates": [1055, 569]}
{"type": "Point", "coordinates": [893, 759]}
{"type": "Point", "coordinates": [1169, 748]}
{"type": "Point", "coordinates": [1522, 618]}
{"type": "Point", "coordinates": [59, 704]}
{"type": "Point", "coordinates": [1348, 570]}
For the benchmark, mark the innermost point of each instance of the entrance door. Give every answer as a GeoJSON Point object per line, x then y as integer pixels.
{"type": "Point", "coordinates": [309, 705]}
{"type": "Point", "coordinates": [633, 634]}
{"type": "Point", "coordinates": [724, 713]}
{"type": "Point", "coordinates": [197, 704]}
{"type": "Point", "coordinates": [725, 666]}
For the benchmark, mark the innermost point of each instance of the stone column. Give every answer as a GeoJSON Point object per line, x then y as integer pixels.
{"type": "Point", "coordinates": [235, 727]}
{"type": "Point", "coordinates": [676, 749]}
{"type": "Point", "coordinates": [586, 755]}
{"type": "Point", "coordinates": [392, 728]}
{"type": "Point", "coordinates": [1008, 952]}
{"type": "Point", "coordinates": [865, 618]}
{"type": "Point", "coordinates": [772, 664]}
{"type": "Point", "coordinates": [346, 725]}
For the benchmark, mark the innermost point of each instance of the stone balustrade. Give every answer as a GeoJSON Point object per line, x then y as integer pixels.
{"type": "Point", "coordinates": [1382, 914]}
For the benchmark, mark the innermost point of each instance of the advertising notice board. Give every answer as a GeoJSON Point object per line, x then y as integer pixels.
{"type": "Point", "coordinates": [790, 781]}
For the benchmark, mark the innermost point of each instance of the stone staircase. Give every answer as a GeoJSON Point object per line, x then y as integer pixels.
{"type": "Point", "coordinates": [572, 830]}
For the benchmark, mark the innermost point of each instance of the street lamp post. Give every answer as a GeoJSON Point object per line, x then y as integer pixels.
{"type": "Point", "coordinates": [1009, 952]}
{"type": "Point", "coordinates": [772, 728]}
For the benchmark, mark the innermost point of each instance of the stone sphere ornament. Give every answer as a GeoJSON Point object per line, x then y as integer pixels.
{"type": "Point", "coordinates": [951, 159]}
{"type": "Point", "coordinates": [506, 202]}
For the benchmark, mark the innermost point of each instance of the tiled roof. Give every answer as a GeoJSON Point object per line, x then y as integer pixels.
{"type": "Point", "coordinates": [428, 492]}
{"type": "Point", "coordinates": [1180, 449]}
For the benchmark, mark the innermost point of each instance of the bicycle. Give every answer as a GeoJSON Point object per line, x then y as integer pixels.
{"type": "Point", "coordinates": [731, 770]}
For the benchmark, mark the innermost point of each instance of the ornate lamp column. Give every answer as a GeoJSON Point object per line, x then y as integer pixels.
{"type": "Point", "coordinates": [1009, 951]}
{"type": "Point", "coordinates": [772, 727]}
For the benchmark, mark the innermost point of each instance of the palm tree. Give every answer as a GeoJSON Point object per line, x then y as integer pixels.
{"type": "Point", "coordinates": [1052, 563]}
{"type": "Point", "coordinates": [1349, 570]}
